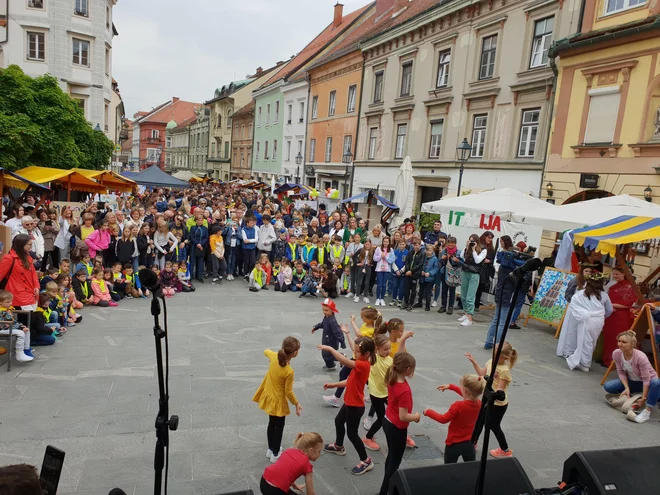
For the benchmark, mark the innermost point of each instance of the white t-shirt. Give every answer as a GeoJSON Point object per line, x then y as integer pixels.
{"type": "Point", "coordinates": [627, 367]}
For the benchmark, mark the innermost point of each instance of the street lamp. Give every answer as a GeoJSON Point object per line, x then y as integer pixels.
{"type": "Point", "coordinates": [299, 160]}
{"type": "Point", "coordinates": [462, 155]}
{"type": "Point", "coordinates": [549, 189]}
{"type": "Point", "coordinates": [648, 193]}
{"type": "Point", "coordinates": [347, 159]}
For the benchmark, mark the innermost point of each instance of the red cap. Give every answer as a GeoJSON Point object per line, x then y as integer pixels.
{"type": "Point", "coordinates": [329, 303]}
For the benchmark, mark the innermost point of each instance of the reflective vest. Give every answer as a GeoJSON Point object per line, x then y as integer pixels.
{"type": "Point", "coordinates": [321, 256]}
{"type": "Point", "coordinates": [336, 252]}
{"type": "Point", "coordinates": [293, 249]}
{"type": "Point", "coordinates": [46, 312]}
{"type": "Point", "coordinates": [258, 275]}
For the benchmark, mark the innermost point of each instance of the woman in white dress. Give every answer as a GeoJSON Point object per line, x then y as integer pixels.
{"type": "Point", "coordinates": [583, 323]}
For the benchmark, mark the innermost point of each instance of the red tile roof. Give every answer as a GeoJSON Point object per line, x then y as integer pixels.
{"type": "Point", "coordinates": [186, 123]}
{"type": "Point", "coordinates": [176, 110]}
{"type": "Point", "coordinates": [326, 36]}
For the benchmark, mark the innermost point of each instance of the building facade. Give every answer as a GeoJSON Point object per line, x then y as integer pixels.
{"type": "Point", "coordinates": [199, 141]}
{"type": "Point", "coordinates": [463, 70]}
{"type": "Point", "coordinates": [268, 132]}
{"type": "Point", "coordinates": [294, 125]}
{"type": "Point", "coordinates": [177, 146]}
{"type": "Point", "coordinates": [241, 141]}
{"type": "Point", "coordinates": [72, 41]}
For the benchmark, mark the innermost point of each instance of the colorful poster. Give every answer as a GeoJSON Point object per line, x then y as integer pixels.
{"type": "Point", "coordinates": [550, 303]}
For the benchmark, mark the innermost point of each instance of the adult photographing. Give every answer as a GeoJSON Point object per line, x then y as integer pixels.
{"type": "Point", "coordinates": [17, 268]}
{"type": "Point", "coordinates": [473, 257]}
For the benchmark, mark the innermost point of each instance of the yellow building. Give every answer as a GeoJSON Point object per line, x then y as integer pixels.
{"type": "Point", "coordinates": [605, 133]}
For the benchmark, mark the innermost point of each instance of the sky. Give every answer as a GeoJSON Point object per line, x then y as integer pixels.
{"type": "Point", "coordinates": [169, 48]}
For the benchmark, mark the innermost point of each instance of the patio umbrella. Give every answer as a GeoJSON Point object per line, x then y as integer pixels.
{"type": "Point", "coordinates": [402, 189]}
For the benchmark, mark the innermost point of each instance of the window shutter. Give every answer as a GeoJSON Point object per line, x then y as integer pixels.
{"type": "Point", "coordinates": [603, 110]}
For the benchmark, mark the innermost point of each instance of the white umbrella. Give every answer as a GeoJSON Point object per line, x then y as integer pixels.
{"type": "Point", "coordinates": [402, 190]}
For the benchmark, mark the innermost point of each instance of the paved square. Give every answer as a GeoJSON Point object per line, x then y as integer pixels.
{"type": "Point", "coordinates": [94, 395]}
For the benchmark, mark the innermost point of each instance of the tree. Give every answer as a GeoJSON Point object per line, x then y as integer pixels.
{"type": "Point", "coordinates": [42, 125]}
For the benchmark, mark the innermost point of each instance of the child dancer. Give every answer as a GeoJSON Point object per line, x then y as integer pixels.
{"type": "Point", "coordinates": [398, 413]}
{"type": "Point", "coordinates": [293, 463]}
{"type": "Point", "coordinates": [348, 419]}
{"type": "Point", "coordinates": [22, 333]}
{"type": "Point", "coordinates": [332, 333]}
{"type": "Point", "coordinates": [276, 388]}
{"type": "Point", "coordinates": [462, 416]}
{"type": "Point", "coordinates": [508, 358]}
{"type": "Point", "coordinates": [378, 388]}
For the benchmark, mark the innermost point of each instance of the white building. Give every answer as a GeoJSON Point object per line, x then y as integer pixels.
{"type": "Point", "coordinates": [295, 124]}
{"type": "Point", "coordinates": [72, 41]}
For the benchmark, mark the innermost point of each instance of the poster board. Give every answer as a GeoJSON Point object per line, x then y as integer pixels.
{"type": "Point", "coordinates": [299, 204]}
{"type": "Point", "coordinates": [550, 303]}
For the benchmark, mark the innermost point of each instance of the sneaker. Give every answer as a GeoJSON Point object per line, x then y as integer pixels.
{"type": "Point", "coordinates": [247, 278]}
{"type": "Point", "coordinates": [393, 302]}
{"type": "Point", "coordinates": [513, 326]}
{"type": "Point", "coordinates": [377, 303]}
{"type": "Point", "coordinates": [214, 281]}
{"type": "Point", "coordinates": [434, 304]}
{"type": "Point", "coordinates": [22, 357]}
{"type": "Point", "coordinates": [466, 323]}
{"type": "Point", "coordinates": [366, 300]}
{"type": "Point", "coordinates": [410, 443]}
{"type": "Point", "coordinates": [399, 303]}
{"type": "Point", "coordinates": [642, 417]}
{"type": "Point", "coordinates": [112, 303]}
{"type": "Point", "coordinates": [326, 368]}
{"type": "Point", "coordinates": [332, 400]}
{"type": "Point", "coordinates": [370, 444]}
{"type": "Point", "coordinates": [333, 448]}
{"type": "Point", "coordinates": [274, 458]}
{"type": "Point", "coordinates": [349, 295]}
{"type": "Point", "coordinates": [418, 305]}
{"type": "Point", "coordinates": [368, 421]}
{"type": "Point", "coordinates": [356, 299]}
{"type": "Point", "coordinates": [442, 309]}
{"type": "Point", "coordinates": [254, 289]}
{"type": "Point", "coordinates": [462, 318]}
{"type": "Point", "coordinates": [129, 296]}
{"type": "Point", "coordinates": [501, 453]}
{"type": "Point", "coordinates": [488, 346]}
{"type": "Point", "coordinates": [265, 287]}
{"type": "Point", "coordinates": [70, 323]}
{"type": "Point", "coordinates": [583, 368]}
{"type": "Point", "coordinates": [363, 467]}
{"type": "Point", "coordinates": [29, 352]}
{"type": "Point", "coordinates": [450, 311]}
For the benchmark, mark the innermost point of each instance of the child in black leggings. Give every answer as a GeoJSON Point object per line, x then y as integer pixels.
{"type": "Point", "coordinates": [378, 388]}
{"type": "Point", "coordinates": [279, 478]}
{"type": "Point", "coordinates": [347, 421]}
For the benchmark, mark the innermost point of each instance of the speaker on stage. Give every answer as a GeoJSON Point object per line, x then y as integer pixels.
{"type": "Point", "coordinates": [621, 471]}
{"type": "Point", "coordinates": [503, 477]}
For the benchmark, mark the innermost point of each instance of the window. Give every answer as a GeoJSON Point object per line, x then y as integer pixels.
{"type": "Point", "coordinates": [352, 92]}
{"type": "Point", "coordinates": [36, 46]}
{"type": "Point", "coordinates": [275, 149]}
{"type": "Point", "coordinates": [107, 62]}
{"type": "Point", "coordinates": [348, 143]}
{"type": "Point", "coordinates": [301, 119]}
{"type": "Point", "coordinates": [328, 149]}
{"type": "Point", "coordinates": [212, 149]}
{"type": "Point", "coordinates": [401, 131]}
{"type": "Point", "coordinates": [268, 114]}
{"type": "Point", "coordinates": [406, 78]}
{"type": "Point", "coordinates": [250, 131]}
{"type": "Point", "coordinates": [373, 142]}
{"type": "Point", "coordinates": [332, 104]}
{"type": "Point", "coordinates": [289, 114]}
{"type": "Point", "coordinates": [603, 110]}
{"type": "Point", "coordinates": [436, 139]}
{"type": "Point", "coordinates": [266, 150]}
{"type": "Point", "coordinates": [35, 4]}
{"type": "Point", "coordinates": [288, 151]}
{"type": "Point", "coordinates": [80, 52]}
{"type": "Point", "coordinates": [107, 17]}
{"type": "Point", "coordinates": [226, 149]}
{"type": "Point", "coordinates": [236, 136]}
{"type": "Point", "coordinates": [106, 117]}
{"type": "Point", "coordinates": [229, 120]}
{"type": "Point", "coordinates": [378, 87]}
{"type": "Point", "coordinates": [541, 43]}
{"type": "Point", "coordinates": [81, 8]}
{"type": "Point", "coordinates": [478, 135]}
{"type": "Point", "coordinates": [256, 156]}
{"type": "Point", "coordinates": [155, 133]}
{"type": "Point", "coordinates": [219, 123]}
{"type": "Point", "coordinates": [612, 6]}
{"type": "Point", "coordinates": [488, 51]}
{"type": "Point", "coordinates": [528, 132]}
{"type": "Point", "coordinates": [443, 69]}
{"type": "Point", "coordinates": [315, 107]}
{"type": "Point", "coordinates": [259, 117]}
{"type": "Point", "coordinates": [277, 112]}
{"type": "Point", "coordinates": [243, 136]}
{"type": "Point", "coordinates": [242, 159]}
{"type": "Point", "coordinates": [312, 149]}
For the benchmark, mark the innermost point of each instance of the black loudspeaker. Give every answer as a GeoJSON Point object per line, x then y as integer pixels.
{"type": "Point", "coordinates": [503, 477]}
{"type": "Point", "coordinates": [621, 472]}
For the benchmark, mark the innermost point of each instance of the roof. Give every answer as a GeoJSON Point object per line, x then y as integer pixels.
{"type": "Point", "coordinates": [605, 237]}
{"type": "Point", "coordinates": [229, 89]}
{"type": "Point", "coordinates": [14, 180]}
{"type": "Point", "coordinates": [45, 175]}
{"type": "Point", "coordinates": [184, 124]}
{"type": "Point", "coordinates": [111, 180]}
{"type": "Point", "coordinates": [155, 177]}
{"type": "Point", "coordinates": [326, 36]}
{"type": "Point", "coordinates": [176, 110]}
{"type": "Point", "coordinates": [246, 110]}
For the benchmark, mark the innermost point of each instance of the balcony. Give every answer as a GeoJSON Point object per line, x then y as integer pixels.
{"type": "Point", "coordinates": [123, 135]}
{"type": "Point", "coordinates": [153, 140]}
{"type": "Point", "coordinates": [81, 13]}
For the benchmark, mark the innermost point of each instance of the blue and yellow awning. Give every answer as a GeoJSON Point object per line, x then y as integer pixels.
{"type": "Point", "coordinates": [606, 236]}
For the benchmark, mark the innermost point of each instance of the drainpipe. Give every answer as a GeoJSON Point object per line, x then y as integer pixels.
{"type": "Point", "coordinates": [581, 17]}
{"type": "Point", "coordinates": [357, 129]}
{"type": "Point", "coordinates": [304, 150]}
{"type": "Point", "coordinates": [7, 20]}
{"type": "Point", "coordinates": [188, 164]}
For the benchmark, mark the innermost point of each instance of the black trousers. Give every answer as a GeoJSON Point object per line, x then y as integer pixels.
{"type": "Point", "coordinates": [496, 415]}
{"type": "Point", "coordinates": [465, 449]}
{"type": "Point", "coordinates": [347, 423]}
{"type": "Point", "coordinates": [378, 405]}
{"type": "Point", "coordinates": [427, 293]}
{"type": "Point", "coordinates": [409, 289]}
{"type": "Point", "coordinates": [249, 257]}
{"type": "Point", "coordinates": [54, 256]}
{"type": "Point", "coordinates": [274, 433]}
{"type": "Point", "coordinates": [268, 489]}
{"type": "Point", "coordinates": [396, 446]}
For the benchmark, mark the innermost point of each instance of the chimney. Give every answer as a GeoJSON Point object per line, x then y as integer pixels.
{"type": "Point", "coordinates": [259, 70]}
{"type": "Point", "coordinates": [339, 14]}
{"type": "Point", "coordinates": [174, 99]}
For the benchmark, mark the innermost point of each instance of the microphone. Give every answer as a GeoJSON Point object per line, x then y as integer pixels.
{"type": "Point", "coordinates": [149, 280]}
{"type": "Point", "coordinates": [530, 265]}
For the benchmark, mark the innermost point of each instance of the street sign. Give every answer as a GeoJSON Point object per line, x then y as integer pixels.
{"type": "Point", "coordinates": [118, 148]}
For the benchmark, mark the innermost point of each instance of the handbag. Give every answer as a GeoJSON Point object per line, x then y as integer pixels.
{"type": "Point", "coordinates": [3, 282]}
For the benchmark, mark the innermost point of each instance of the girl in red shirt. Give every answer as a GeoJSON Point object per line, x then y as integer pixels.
{"type": "Point", "coordinates": [351, 412]}
{"type": "Point", "coordinates": [462, 416]}
{"type": "Point", "coordinates": [279, 478]}
{"type": "Point", "coordinates": [398, 414]}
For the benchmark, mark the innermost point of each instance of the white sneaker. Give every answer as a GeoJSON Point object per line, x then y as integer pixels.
{"type": "Point", "coordinates": [269, 454]}
{"type": "Point", "coordinates": [462, 318]}
{"type": "Point", "coordinates": [368, 421]}
{"type": "Point", "coordinates": [356, 299]}
{"type": "Point", "coordinates": [583, 368]}
{"type": "Point", "coordinates": [392, 302]}
{"type": "Point", "coordinates": [332, 400]}
{"type": "Point", "coordinates": [466, 323]}
{"type": "Point", "coordinates": [434, 304]}
{"type": "Point", "coordinates": [349, 295]}
{"type": "Point", "coordinates": [274, 458]}
{"type": "Point", "coordinates": [21, 357]}
{"type": "Point", "coordinates": [366, 300]}
{"type": "Point", "coordinates": [643, 417]}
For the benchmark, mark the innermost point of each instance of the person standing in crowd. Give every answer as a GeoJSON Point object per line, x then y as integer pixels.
{"type": "Point", "coordinates": [487, 268]}
{"type": "Point", "coordinates": [435, 235]}
{"type": "Point", "coordinates": [473, 257]}
{"type": "Point", "coordinates": [503, 291]}
{"type": "Point", "coordinates": [623, 298]}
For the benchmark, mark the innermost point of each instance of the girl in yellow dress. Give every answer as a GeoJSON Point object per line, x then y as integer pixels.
{"type": "Point", "coordinates": [275, 393]}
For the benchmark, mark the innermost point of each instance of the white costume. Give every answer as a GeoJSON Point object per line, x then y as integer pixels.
{"type": "Point", "coordinates": [582, 325]}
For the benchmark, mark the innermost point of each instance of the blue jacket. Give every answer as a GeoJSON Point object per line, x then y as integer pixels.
{"type": "Point", "coordinates": [228, 233]}
{"type": "Point", "coordinates": [332, 334]}
{"type": "Point", "coordinates": [431, 266]}
{"type": "Point", "coordinates": [308, 254]}
{"type": "Point", "coordinates": [250, 233]}
{"type": "Point", "coordinates": [199, 235]}
{"type": "Point", "coordinates": [433, 236]}
{"type": "Point", "coordinates": [399, 259]}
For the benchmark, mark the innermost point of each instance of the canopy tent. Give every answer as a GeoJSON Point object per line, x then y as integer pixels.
{"type": "Point", "coordinates": [296, 188]}
{"type": "Point", "coordinates": [71, 180]}
{"type": "Point", "coordinates": [155, 177]}
{"type": "Point", "coordinates": [504, 203]}
{"type": "Point", "coordinates": [111, 180]}
{"type": "Point", "coordinates": [184, 175]}
{"type": "Point", "coordinates": [584, 213]}
{"type": "Point", "coordinates": [10, 179]}
{"type": "Point", "coordinates": [605, 237]}
{"type": "Point", "coordinates": [370, 195]}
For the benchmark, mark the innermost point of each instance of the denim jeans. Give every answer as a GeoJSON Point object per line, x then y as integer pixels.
{"type": "Point", "coordinates": [491, 339]}
{"type": "Point", "coordinates": [42, 340]}
{"type": "Point", "coordinates": [197, 267]}
{"type": "Point", "coordinates": [616, 387]}
{"type": "Point", "coordinates": [230, 254]}
{"type": "Point", "coordinates": [381, 280]}
{"type": "Point", "coordinates": [397, 287]}
{"type": "Point", "coordinates": [518, 307]}
{"type": "Point", "coordinates": [448, 291]}
{"type": "Point", "coordinates": [439, 282]}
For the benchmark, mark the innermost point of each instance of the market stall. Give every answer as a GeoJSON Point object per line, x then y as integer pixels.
{"type": "Point", "coordinates": [155, 177]}
{"type": "Point", "coordinates": [371, 197]}
{"type": "Point", "coordinates": [10, 180]}
{"type": "Point", "coordinates": [114, 182]}
{"type": "Point", "coordinates": [68, 180]}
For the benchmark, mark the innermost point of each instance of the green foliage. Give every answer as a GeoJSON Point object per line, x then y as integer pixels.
{"type": "Point", "coordinates": [425, 220]}
{"type": "Point", "coordinates": [41, 125]}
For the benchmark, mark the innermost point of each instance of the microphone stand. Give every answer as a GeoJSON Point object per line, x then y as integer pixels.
{"type": "Point", "coordinates": [163, 424]}
{"type": "Point", "coordinates": [490, 395]}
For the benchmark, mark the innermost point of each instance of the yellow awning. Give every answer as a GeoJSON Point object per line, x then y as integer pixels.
{"type": "Point", "coordinates": [112, 181]}
{"type": "Point", "coordinates": [65, 178]}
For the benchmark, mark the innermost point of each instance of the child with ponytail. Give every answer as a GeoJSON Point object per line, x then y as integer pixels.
{"type": "Point", "coordinates": [279, 478]}
{"type": "Point", "coordinates": [398, 413]}
{"type": "Point", "coordinates": [502, 380]}
{"type": "Point", "coordinates": [378, 389]}
{"type": "Point", "coordinates": [462, 416]}
{"type": "Point", "coordinates": [276, 388]}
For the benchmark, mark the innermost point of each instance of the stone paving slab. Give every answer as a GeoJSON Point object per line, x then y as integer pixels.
{"type": "Point", "coordinates": [95, 395]}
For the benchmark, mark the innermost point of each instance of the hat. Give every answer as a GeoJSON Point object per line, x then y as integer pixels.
{"type": "Point", "coordinates": [282, 231]}
{"type": "Point", "coordinates": [329, 303]}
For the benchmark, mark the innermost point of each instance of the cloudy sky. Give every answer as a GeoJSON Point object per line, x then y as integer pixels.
{"type": "Point", "coordinates": [187, 49]}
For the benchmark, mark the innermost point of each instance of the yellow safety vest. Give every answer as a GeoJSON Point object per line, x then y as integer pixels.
{"type": "Point", "coordinates": [258, 276]}
{"type": "Point", "coordinates": [293, 248]}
